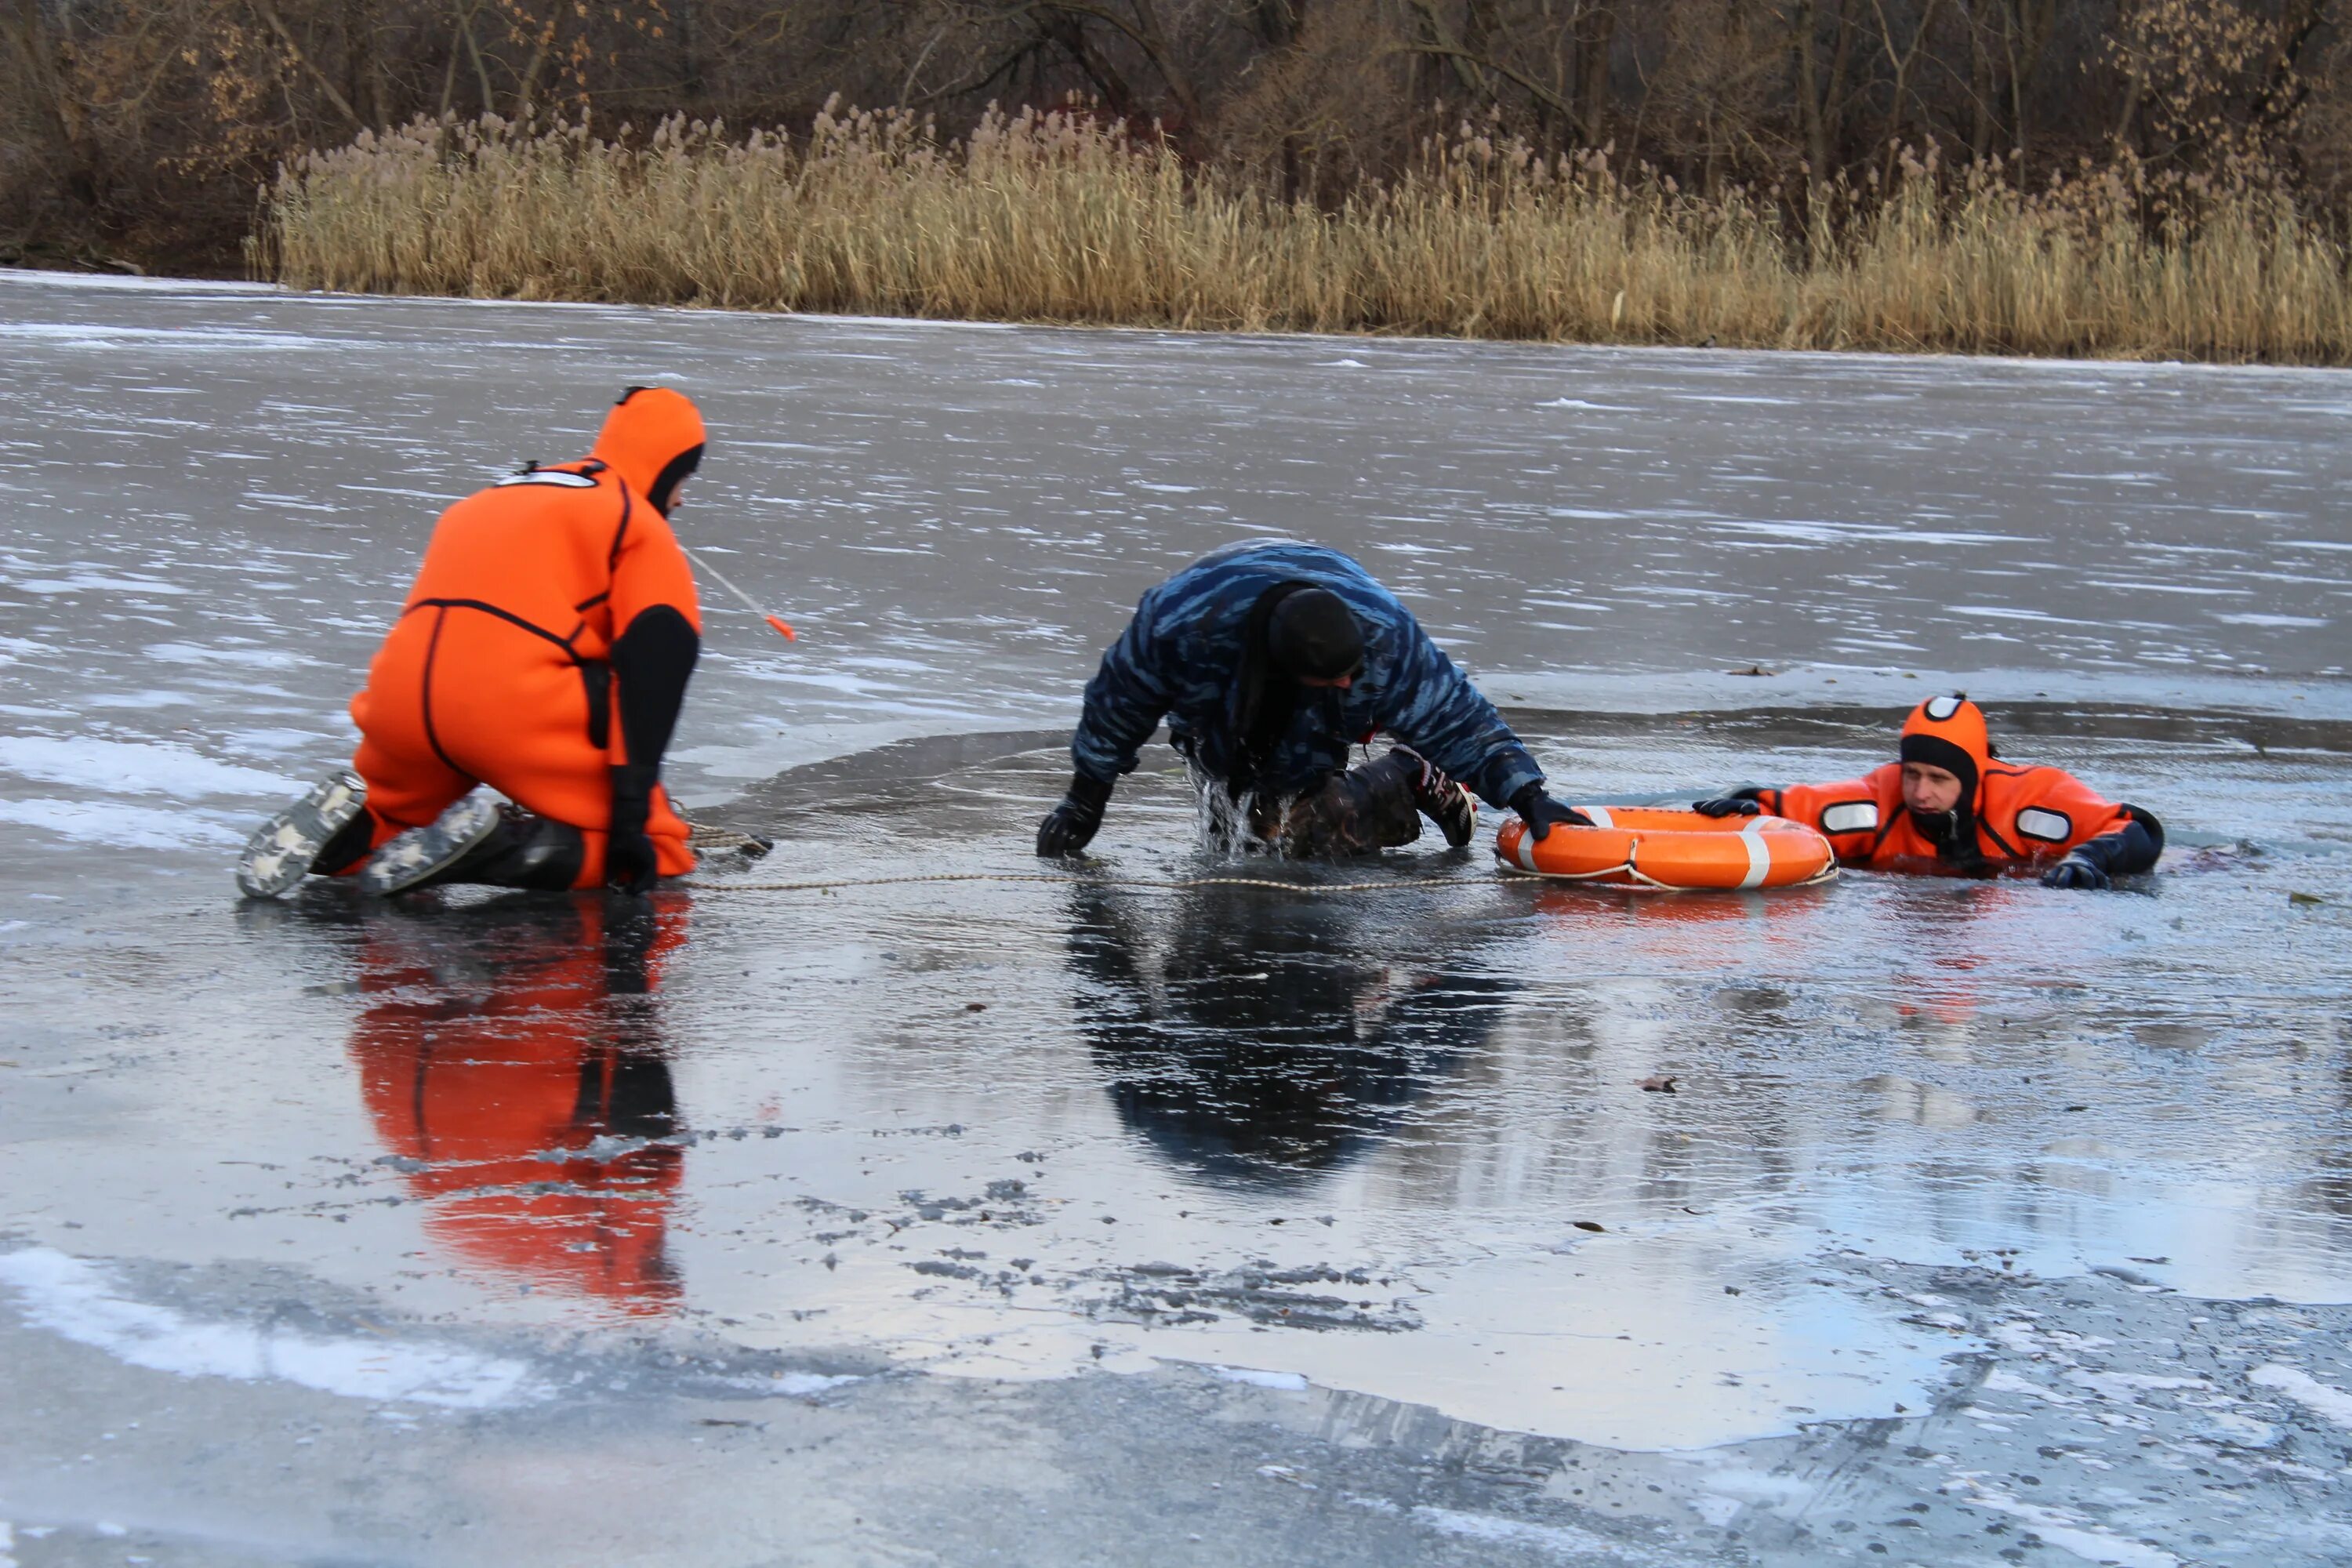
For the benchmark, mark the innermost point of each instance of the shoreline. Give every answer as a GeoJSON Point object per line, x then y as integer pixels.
{"type": "Point", "coordinates": [166, 282]}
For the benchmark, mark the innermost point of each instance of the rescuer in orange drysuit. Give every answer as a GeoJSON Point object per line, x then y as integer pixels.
{"type": "Point", "coordinates": [544, 650]}
{"type": "Point", "coordinates": [1951, 806]}
{"type": "Point", "coordinates": [532, 1113]}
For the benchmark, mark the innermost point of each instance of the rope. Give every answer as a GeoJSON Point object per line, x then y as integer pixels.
{"type": "Point", "coordinates": [1162, 884]}
{"type": "Point", "coordinates": [1633, 874]}
{"type": "Point", "coordinates": [1642, 881]}
{"type": "Point", "coordinates": [1638, 880]}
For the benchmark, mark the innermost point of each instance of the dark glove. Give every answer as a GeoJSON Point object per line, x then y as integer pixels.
{"type": "Point", "coordinates": [1542, 813]}
{"type": "Point", "coordinates": [630, 863]}
{"type": "Point", "coordinates": [1070, 827]}
{"type": "Point", "coordinates": [1739, 803]}
{"type": "Point", "coordinates": [2077, 870]}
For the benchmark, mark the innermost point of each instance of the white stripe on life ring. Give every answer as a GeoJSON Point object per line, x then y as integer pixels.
{"type": "Point", "coordinates": [1599, 814]}
{"type": "Point", "coordinates": [1759, 854]}
{"type": "Point", "coordinates": [1527, 848]}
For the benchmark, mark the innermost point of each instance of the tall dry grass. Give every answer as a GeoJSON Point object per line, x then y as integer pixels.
{"type": "Point", "coordinates": [1055, 218]}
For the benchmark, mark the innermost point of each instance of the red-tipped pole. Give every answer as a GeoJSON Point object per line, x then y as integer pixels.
{"type": "Point", "coordinates": [750, 604]}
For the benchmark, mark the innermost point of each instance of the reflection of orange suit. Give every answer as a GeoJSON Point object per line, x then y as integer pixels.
{"type": "Point", "coordinates": [501, 668]}
{"type": "Point", "coordinates": [523, 1117]}
{"type": "Point", "coordinates": [2011, 817]}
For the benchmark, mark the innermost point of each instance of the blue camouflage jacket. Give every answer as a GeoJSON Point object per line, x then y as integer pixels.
{"type": "Point", "coordinates": [1180, 658]}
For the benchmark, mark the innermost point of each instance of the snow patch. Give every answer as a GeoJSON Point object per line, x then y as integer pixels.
{"type": "Point", "coordinates": [247, 657]}
{"type": "Point", "coordinates": [112, 823]}
{"type": "Point", "coordinates": [2321, 1399]}
{"type": "Point", "coordinates": [1289, 1381]}
{"type": "Point", "coordinates": [795, 1384]}
{"type": "Point", "coordinates": [1566, 1540]}
{"type": "Point", "coordinates": [131, 767]}
{"type": "Point", "coordinates": [73, 1298]}
{"type": "Point", "coordinates": [2091, 1545]}
{"type": "Point", "coordinates": [96, 583]}
{"type": "Point", "coordinates": [1784, 1495]}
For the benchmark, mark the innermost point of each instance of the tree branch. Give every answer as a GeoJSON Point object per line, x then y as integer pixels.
{"type": "Point", "coordinates": [301, 57]}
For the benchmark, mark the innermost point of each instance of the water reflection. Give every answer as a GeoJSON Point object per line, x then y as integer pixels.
{"type": "Point", "coordinates": [513, 1063]}
{"type": "Point", "coordinates": [1264, 1040]}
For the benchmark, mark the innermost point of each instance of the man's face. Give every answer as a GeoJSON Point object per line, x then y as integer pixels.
{"type": "Point", "coordinates": [1335, 683]}
{"type": "Point", "coordinates": [1929, 789]}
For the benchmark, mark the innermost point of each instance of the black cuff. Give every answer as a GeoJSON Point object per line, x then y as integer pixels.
{"type": "Point", "coordinates": [1089, 792]}
{"type": "Point", "coordinates": [632, 794]}
{"type": "Point", "coordinates": [2125, 853]}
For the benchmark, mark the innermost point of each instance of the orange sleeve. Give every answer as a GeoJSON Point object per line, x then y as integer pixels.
{"type": "Point", "coordinates": [2055, 811]}
{"type": "Point", "coordinates": [1851, 813]}
{"type": "Point", "coordinates": [650, 568]}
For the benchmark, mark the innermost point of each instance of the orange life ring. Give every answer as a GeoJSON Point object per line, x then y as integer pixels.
{"type": "Point", "coordinates": [1645, 846]}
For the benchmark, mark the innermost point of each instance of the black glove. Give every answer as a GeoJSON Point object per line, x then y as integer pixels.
{"type": "Point", "coordinates": [630, 863]}
{"type": "Point", "coordinates": [1070, 827]}
{"type": "Point", "coordinates": [2077, 870]}
{"type": "Point", "coordinates": [1739, 803]}
{"type": "Point", "coordinates": [1542, 813]}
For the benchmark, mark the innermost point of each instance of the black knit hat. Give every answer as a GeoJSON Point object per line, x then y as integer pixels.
{"type": "Point", "coordinates": [1313, 635]}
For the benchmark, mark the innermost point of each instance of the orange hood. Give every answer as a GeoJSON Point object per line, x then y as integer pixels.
{"type": "Point", "coordinates": [1950, 733]}
{"type": "Point", "coordinates": [652, 439]}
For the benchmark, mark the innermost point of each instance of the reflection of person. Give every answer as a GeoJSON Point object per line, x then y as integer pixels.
{"type": "Point", "coordinates": [535, 1114]}
{"type": "Point", "coordinates": [547, 607]}
{"type": "Point", "coordinates": [1254, 1048]}
{"type": "Point", "coordinates": [1269, 662]}
{"type": "Point", "coordinates": [1948, 804]}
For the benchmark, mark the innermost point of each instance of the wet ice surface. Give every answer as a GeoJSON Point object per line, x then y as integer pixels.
{"type": "Point", "coordinates": [1960, 1186]}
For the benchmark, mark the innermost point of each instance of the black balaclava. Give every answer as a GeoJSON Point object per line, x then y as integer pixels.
{"type": "Point", "coordinates": [1953, 832]}
{"type": "Point", "coordinates": [1313, 635]}
{"type": "Point", "coordinates": [1295, 629]}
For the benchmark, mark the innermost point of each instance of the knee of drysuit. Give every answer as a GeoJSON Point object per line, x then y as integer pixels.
{"type": "Point", "coordinates": [535, 852]}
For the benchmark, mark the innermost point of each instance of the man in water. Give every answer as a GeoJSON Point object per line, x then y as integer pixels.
{"type": "Point", "coordinates": [548, 605]}
{"type": "Point", "coordinates": [1949, 805]}
{"type": "Point", "coordinates": [1269, 662]}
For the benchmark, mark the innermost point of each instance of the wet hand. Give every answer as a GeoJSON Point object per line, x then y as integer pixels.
{"type": "Point", "coordinates": [2075, 871]}
{"type": "Point", "coordinates": [1542, 813]}
{"type": "Point", "coordinates": [1739, 803]}
{"type": "Point", "coordinates": [1070, 827]}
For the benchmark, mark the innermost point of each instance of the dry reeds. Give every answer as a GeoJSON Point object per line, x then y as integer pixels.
{"type": "Point", "coordinates": [1057, 218]}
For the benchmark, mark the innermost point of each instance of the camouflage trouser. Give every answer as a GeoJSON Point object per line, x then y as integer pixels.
{"type": "Point", "coordinates": [1359, 812]}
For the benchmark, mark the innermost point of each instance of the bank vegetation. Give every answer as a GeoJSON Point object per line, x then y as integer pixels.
{"type": "Point", "coordinates": [1062, 216]}
{"type": "Point", "coordinates": [2141, 177]}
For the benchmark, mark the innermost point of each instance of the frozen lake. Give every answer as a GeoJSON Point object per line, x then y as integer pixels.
{"type": "Point", "coordinates": [1074, 1220]}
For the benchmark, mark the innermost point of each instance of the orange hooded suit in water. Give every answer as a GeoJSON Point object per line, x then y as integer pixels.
{"type": "Point", "coordinates": [2009, 817]}
{"type": "Point", "coordinates": [544, 650]}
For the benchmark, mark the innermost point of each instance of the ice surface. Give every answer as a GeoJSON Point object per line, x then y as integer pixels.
{"type": "Point", "coordinates": [1023, 1131]}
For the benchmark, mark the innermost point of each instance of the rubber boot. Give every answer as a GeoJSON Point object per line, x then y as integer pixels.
{"type": "Point", "coordinates": [419, 856]}
{"type": "Point", "coordinates": [306, 836]}
{"type": "Point", "coordinates": [522, 851]}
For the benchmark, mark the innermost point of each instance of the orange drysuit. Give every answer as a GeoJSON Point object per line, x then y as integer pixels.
{"type": "Point", "coordinates": [2011, 817]}
{"type": "Point", "coordinates": [501, 669]}
{"type": "Point", "coordinates": [536, 1116]}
